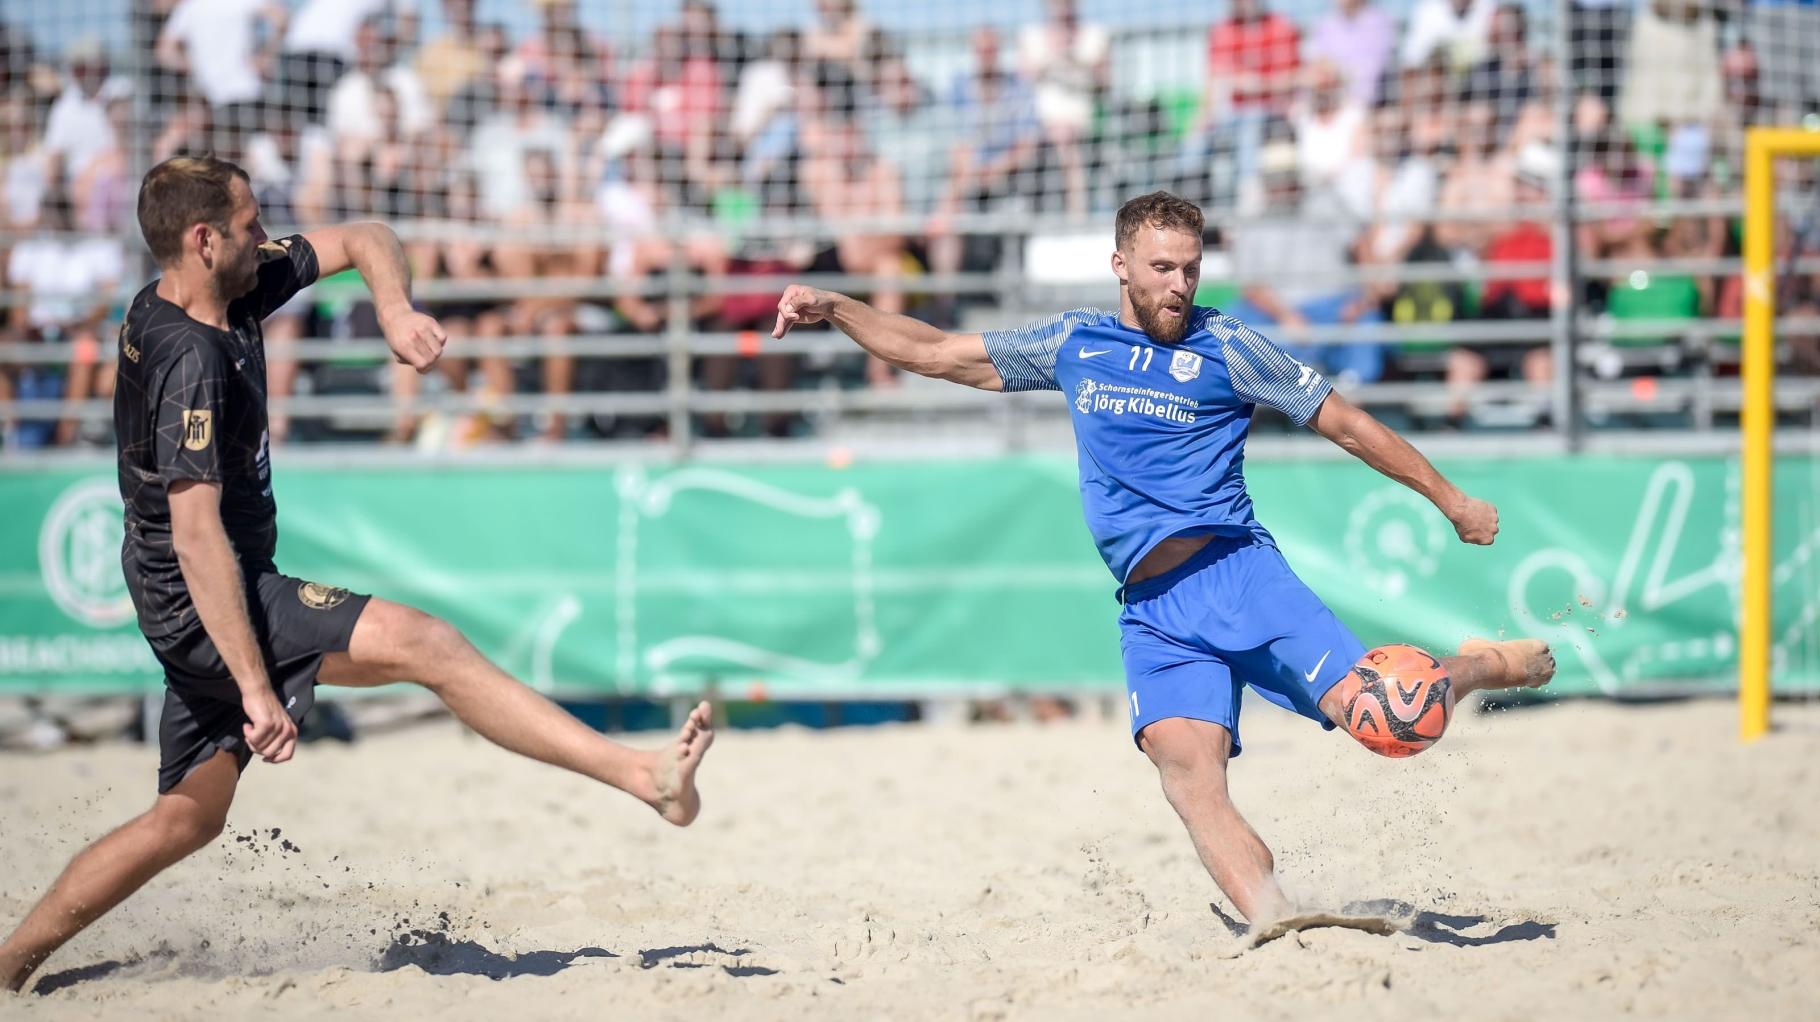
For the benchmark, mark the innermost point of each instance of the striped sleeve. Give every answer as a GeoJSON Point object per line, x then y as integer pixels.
{"type": "Point", "coordinates": [1264, 375]}
{"type": "Point", "coordinates": [1025, 356]}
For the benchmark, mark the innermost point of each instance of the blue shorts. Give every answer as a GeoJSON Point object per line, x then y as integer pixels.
{"type": "Point", "coordinates": [1231, 615]}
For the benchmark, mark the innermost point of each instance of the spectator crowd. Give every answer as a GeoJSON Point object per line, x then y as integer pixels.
{"type": "Point", "coordinates": [1336, 145]}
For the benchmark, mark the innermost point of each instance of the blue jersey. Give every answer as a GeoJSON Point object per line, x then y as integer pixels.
{"type": "Point", "coordinates": [1160, 427]}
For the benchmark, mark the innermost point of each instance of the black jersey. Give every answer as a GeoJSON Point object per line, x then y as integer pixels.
{"type": "Point", "coordinates": [190, 403]}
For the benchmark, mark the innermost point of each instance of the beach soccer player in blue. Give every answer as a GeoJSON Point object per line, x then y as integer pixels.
{"type": "Point", "coordinates": [1161, 394]}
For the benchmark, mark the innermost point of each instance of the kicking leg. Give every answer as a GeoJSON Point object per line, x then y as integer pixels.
{"type": "Point", "coordinates": [392, 642]}
{"type": "Point", "coordinates": [1190, 755]}
{"type": "Point", "coordinates": [1512, 663]}
{"type": "Point", "coordinates": [1480, 664]}
{"type": "Point", "coordinates": [102, 875]}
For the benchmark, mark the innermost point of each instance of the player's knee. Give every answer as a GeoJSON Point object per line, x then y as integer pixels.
{"type": "Point", "coordinates": [431, 642]}
{"type": "Point", "coordinates": [1187, 753]}
{"type": "Point", "coordinates": [187, 827]}
{"type": "Point", "coordinates": [417, 637]}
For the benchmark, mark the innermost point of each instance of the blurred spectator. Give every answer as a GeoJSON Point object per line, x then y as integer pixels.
{"type": "Point", "coordinates": [227, 49]}
{"type": "Point", "coordinates": [1455, 30]}
{"type": "Point", "coordinates": [354, 113]}
{"type": "Point", "coordinates": [453, 60]}
{"type": "Point", "coordinates": [1526, 242]}
{"type": "Point", "coordinates": [1679, 79]}
{"type": "Point", "coordinates": [1597, 32]}
{"type": "Point", "coordinates": [69, 287]}
{"type": "Point", "coordinates": [16, 60]}
{"type": "Point", "coordinates": [632, 200]}
{"type": "Point", "coordinates": [1423, 104]}
{"type": "Point", "coordinates": [704, 34]}
{"type": "Point", "coordinates": [912, 132]}
{"type": "Point", "coordinates": [105, 191]}
{"type": "Point", "coordinates": [1744, 108]}
{"type": "Point", "coordinates": [498, 148]}
{"type": "Point", "coordinates": [678, 88]}
{"type": "Point", "coordinates": [320, 45]}
{"type": "Point", "coordinates": [766, 86]}
{"type": "Point", "coordinates": [1785, 34]}
{"type": "Point", "coordinates": [1356, 37]}
{"type": "Point", "coordinates": [459, 257]}
{"type": "Point", "coordinates": [1505, 77]}
{"type": "Point", "coordinates": [1406, 191]}
{"type": "Point", "coordinates": [1253, 57]}
{"type": "Point", "coordinates": [478, 97]}
{"type": "Point", "coordinates": [1068, 63]}
{"type": "Point", "coordinates": [1530, 242]}
{"type": "Point", "coordinates": [1481, 181]}
{"type": "Point", "coordinates": [77, 129]}
{"type": "Point", "coordinates": [1296, 261]}
{"type": "Point", "coordinates": [25, 163]}
{"type": "Point", "coordinates": [996, 130]}
{"type": "Point", "coordinates": [764, 122]}
{"type": "Point", "coordinates": [848, 182]}
{"type": "Point", "coordinates": [711, 174]}
{"type": "Point", "coordinates": [278, 161]}
{"type": "Point", "coordinates": [1614, 183]}
{"type": "Point", "coordinates": [840, 35]}
{"type": "Point", "coordinates": [567, 67]}
{"type": "Point", "coordinates": [564, 252]}
{"type": "Point", "coordinates": [1332, 139]}
{"type": "Point", "coordinates": [379, 175]}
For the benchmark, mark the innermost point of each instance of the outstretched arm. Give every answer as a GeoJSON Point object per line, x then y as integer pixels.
{"type": "Point", "coordinates": [373, 250]}
{"type": "Point", "coordinates": [907, 344]}
{"type": "Point", "coordinates": [1377, 445]}
{"type": "Point", "coordinates": [910, 345]}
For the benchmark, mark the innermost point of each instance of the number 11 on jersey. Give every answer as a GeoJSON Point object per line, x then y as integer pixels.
{"type": "Point", "coordinates": [1147, 353]}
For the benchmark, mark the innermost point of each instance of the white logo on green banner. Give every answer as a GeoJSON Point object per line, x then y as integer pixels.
{"type": "Point", "coordinates": [79, 554]}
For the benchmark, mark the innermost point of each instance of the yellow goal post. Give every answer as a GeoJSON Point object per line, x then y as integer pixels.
{"type": "Point", "coordinates": [1762, 147]}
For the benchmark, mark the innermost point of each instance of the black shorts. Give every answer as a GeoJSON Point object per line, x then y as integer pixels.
{"type": "Point", "coordinates": [296, 623]}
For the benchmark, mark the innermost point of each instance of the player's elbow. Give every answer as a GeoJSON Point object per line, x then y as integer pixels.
{"type": "Point", "coordinates": [188, 539]}
{"type": "Point", "coordinates": [960, 359]}
{"type": "Point", "coordinates": [935, 360]}
{"type": "Point", "coordinates": [1344, 424]}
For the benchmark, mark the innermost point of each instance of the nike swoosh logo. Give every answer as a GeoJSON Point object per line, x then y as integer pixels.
{"type": "Point", "coordinates": [1089, 354]}
{"type": "Point", "coordinates": [1317, 666]}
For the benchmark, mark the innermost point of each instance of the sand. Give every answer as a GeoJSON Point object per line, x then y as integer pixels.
{"type": "Point", "coordinates": [1580, 860]}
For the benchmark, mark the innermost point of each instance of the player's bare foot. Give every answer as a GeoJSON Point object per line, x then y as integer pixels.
{"type": "Point", "coordinates": [13, 975]}
{"type": "Point", "coordinates": [1526, 663]}
{"type": "Point", "coordinates": [673, 768]}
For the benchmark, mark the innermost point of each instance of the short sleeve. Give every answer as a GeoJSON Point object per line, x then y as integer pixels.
{"type": "Point", "coordinates": [191, 401]}
{"type": "Point", "coordinates": [1025, 356]}
{"type": "Point", "coordinates": [178, 25]}
{"type": "Point", "coordinates": [1264, 375]}
{"type": "Point", "coordinates": [286, 266]}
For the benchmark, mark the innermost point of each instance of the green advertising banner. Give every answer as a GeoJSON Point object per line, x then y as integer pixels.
{"type": "Point", "coordinates": [901, 579]}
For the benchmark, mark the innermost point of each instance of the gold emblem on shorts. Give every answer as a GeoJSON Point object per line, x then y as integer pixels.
{"type": "Point", "coordinates": [198, 428]}
{"type": "Point", "coordinates": [316, 596]}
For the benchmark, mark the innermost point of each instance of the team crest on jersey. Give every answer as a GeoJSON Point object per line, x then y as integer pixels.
{"type": "Point", "coordinates": [317, 596]}
{"type": "Point", "coordinates": [198, 428]}
{"type": "Point", "coordinates": [274, 250]}
{"type": "Point", "coordinates": [1185, 366]}
{"type": "Point", "coordinates": [1083, 396]}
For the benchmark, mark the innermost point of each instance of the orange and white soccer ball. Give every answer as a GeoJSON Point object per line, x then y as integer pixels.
{"type": "Point", "coordinates": [1398, 700]}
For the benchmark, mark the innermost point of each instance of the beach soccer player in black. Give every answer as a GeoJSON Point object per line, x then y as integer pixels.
{"type": "Point", "coordinates": [243, 646]}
